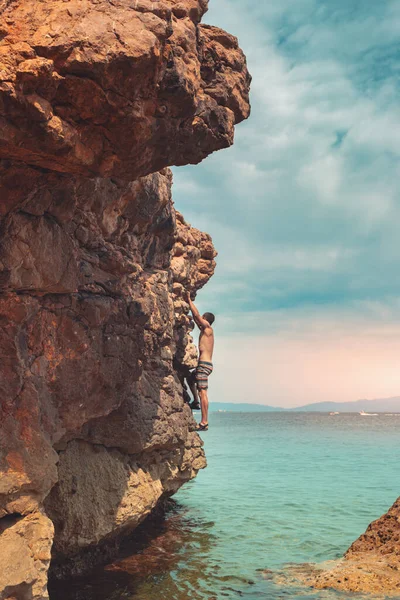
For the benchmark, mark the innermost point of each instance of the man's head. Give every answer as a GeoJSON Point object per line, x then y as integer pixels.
{"type": "Point", "coordinates": [209, 317]}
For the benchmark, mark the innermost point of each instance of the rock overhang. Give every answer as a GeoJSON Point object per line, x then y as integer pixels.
{"type": "Point", "coordinates": [116, 89]}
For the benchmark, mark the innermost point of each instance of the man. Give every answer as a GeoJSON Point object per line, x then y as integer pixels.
{"type": "Point", "coordinates": [205, 366]}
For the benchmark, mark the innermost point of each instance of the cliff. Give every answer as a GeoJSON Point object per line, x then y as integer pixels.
{"type": "Point", "coordinates": [97, 99]}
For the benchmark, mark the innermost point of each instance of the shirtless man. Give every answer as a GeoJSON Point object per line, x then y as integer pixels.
{"type": "Point", "coordinates": [205, 366]}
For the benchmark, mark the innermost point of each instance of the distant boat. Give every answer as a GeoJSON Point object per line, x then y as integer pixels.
{"type": "Point", "coordinates": [220, 410]}
{"type": "Point", "coordinates": [364, 414]}
{"type": "Point", "coordinates": [332, 414]}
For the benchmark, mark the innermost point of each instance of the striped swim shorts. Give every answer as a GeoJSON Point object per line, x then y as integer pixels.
{"type": "Point", "coordinates": [203, 371]}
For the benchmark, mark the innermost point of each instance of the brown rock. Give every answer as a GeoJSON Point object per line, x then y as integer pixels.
{"type": "Point", "coordinates": [96, 99]}
{"type": "Point", "coordinates": [372, 563]}
{"type": "Point", "coordinates": [113, 493]}
{"type": "Point", "coordinates": [88, 342]}
{"type": "Point", "coordinates": [25, 556]}
{"type": "Point", "coordinates": [193, 263]}
{"type": "Point", "coordinates": [116, 89]}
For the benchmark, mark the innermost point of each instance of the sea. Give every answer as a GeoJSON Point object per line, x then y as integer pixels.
{"type": "Point", "coordinates": [280, 489]}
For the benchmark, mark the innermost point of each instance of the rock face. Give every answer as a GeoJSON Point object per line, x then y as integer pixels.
{"type": "Point", "coordinates": [116, 89]}
{"type": "Point", "coordinates": [97, 98]}
{"type": "Point", "coordinates": [372, 563]}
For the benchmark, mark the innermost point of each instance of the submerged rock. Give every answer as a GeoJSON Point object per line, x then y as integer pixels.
{"type": "Point", "coordinates": [371, 565]}
{"type": "Point", "coordinates": [96, 100]}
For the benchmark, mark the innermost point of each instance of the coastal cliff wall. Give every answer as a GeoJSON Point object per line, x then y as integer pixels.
{"type": "Point", "coordinates": [97, 99]}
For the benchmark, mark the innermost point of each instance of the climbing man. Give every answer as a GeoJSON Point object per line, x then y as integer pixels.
{"type": "Point", "coordinates": [204, 366]}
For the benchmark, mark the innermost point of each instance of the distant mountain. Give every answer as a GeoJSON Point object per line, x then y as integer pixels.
{"type": "Point", "coordinates": [378, 405]}
{"type": "Point", "coordinates": [243, 407]}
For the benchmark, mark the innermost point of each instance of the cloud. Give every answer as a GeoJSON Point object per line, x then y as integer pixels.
{"type": "Point", "coordinates": [304, 209]}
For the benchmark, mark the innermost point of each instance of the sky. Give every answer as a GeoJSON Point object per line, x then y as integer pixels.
{"type": "Point", "coordinates": [304, 209]}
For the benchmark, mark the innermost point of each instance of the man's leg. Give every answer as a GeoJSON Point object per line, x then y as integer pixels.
{"type": "Point", "coordinates": [204, 406]}
{"type": "Point", "coordinates": [191, 379]}
{"type": "Point", "coordinates": [186, 395]}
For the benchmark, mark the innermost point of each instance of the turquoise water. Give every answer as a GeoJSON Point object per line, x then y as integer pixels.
{"type": "Point", "coordinates": [279, 488]}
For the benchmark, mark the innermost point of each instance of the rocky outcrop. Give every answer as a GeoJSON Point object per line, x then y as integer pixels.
{"type": "Point", "coordinates": [96, 100]}
{"type": "Point", "coordinates": [88, 517]}
{"type": "Point", "coordinates": [25, 548]}
{"type": "Point", "coordinates": [116, 88]}
{"type": "Point", "coordinates": [371, 565]}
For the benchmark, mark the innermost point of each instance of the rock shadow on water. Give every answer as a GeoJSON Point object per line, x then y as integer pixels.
{"type": "Point", "coordinates": [147, 562]}
{"type": "Point", "coordinates": [166, 558]}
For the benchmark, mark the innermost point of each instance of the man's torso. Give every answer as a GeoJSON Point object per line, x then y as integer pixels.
{"type": "Point", "coordinates": [206, 344]}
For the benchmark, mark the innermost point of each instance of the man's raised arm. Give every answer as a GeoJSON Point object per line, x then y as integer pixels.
{"type": "Point", "coordinates": [198, 319]}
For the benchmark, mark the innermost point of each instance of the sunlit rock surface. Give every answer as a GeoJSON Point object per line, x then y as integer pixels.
{"type": "Point", "coordinates": [121, 88]}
